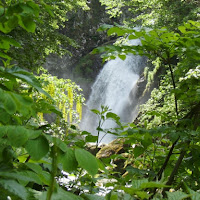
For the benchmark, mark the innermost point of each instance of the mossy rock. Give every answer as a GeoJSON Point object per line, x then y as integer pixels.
{"type": "Point", "coordinates": [115, 147]}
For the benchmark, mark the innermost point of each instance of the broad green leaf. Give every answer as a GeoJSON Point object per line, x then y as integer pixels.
{"type": "Point", "coordinates": [35, 167]}
{"type": "Point", "coordinates": [45, 177]}
{"type": "Point", "coordinates": [87, 161]}
{"type": "Point", "coordinates": [95, 51]}
{"type": "Point", "coordinates": [68, 160]}
{"type": "Point", "coordinates": [138, 151]}
{"type": "Point", "coordinates": [27, 9]}
{"type": "Point", "coordinates": [104, 27]}
{"type": "Point", "coordinates": [112, 116]}
{"type": "Point", "coordinates": [139, 33]}
{"type": "Point", "coordinates": [85, 133]}
{"type": "Point", "coordinates": [10, 104]}
{"type": "Point", "coordinates": [136, 184]}
{"type": "Point", "coordinates": [15, 188]}
{"type": "Point", "coordinates": [38, 147]}
{"type": "Point", "coordinates": [26, 76]}
{"type": "Point", "coordinates": [12, 22]}
{"type": "Point", "coordinates": [29, 176]}
{"type": "Point", "coordinates": [177, 195]}
{"type": "Point", "coordinates": [91, 138]}
{"type": "Point", "coordinates": [33, 134]}
{"type": "Point", "coordinates": [95, 111]}
{"type": "Point", "coordinates": [4, 28]}
{"type": "Point", "coordinates": [113, 196]}
{"type": "Point", "coordinates": [22, 158]}
{"type": "Point", "coordinates": [132, 37]}
{"type": "Point", "coordinates": [194, 195]}
{"type": "Point", "coordinates": [27, 23]}
{"type": "Point", "coordinates": [10, 85]}
{"type": "Point", "coordinates": [8, 154]}
{"type": "Point", "coordinates": [147, 140]}
{"type": "Point", "coordinates": [61, 145]}
{"type": "Point", "coordinates": [136, 171]}
{"type": "Point", "coordinates": [35, 7]}
{"type": "Point", "coordinates": [112, 57]}
{"type": "Point", "coordinates": [14, 8]}
{"type": "Point", "coordinates": [113, 47]}
{"type": "Point", "coordinates": [132, 191]}
{"type": "Point", "coordinates": [122, 57]}
{"type": "Point", "coordinates": [102, 166]}
{"type": "Point", "coordinates": [6, 42]}
{"type": "Point", "coordinates": [3, 130]}
{"type": "Point", "coordinates": [25, 176]}
{"type": "Point", "coordinates": [22, 99]}
{"type": "Point", "coordinates": [17, 135]}
{"type": "Point", "coordinates": [115, 30]}
{"type": "Point", "coordinates": [58, 142]}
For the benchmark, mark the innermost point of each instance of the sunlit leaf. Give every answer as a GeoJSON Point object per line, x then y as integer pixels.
{"type": "Point", "coordinates": [112, 116]}
{"type": "Point", "coordinates": [122, 57]}
{"type": "Point", "coordinates": [87, 161]}
{"type": "Point", "coordinates": [95, 111]}
{"type": "Point", "coordinates": [115, 30]}
{"type": "Point", "coordinates": [17, 135]}
{"type": "Point", "coordinates": [68, 160]}
{"type": "Point", "coordinates": [38, 147]}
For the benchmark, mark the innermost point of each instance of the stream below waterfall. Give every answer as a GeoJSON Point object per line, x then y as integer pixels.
{"type": "Point", "coordinates": [115, 87]}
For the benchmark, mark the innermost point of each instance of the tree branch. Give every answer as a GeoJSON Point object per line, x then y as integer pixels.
{"type": "Point", "coordinates": [175, 170]}
{"type": "Point", "coordinates": [159, 174]}
{"type": "Point", "coordinates": [174, 86]}
{"type": "Point", "coordinates": [176, 167]}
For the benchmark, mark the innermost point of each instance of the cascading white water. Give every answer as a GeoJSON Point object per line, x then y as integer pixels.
{"type": "Point", "coordinates": [114, 87]}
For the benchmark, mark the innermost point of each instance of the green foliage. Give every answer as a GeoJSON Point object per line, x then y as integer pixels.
{"type": "Point", "coordinates": [66, 95]}
{"type": "Point", "coordinates": [33, 150]}
{"type": "Point", "coordinates": [86, 161]}
{"type": "Point", "coordinates": [29, 147]}
{"type": "Point", "coordinates": [163, 149]}
{"type": "Point", "coordinates": [154, 13]}
{"type": "Point", "coordinates": [177, 195]}
{"type": "Point", "coordinates": [14, 188]}
{"type": "Point", "coordinates": [104, 115]}
{"type": "Point", "coordinates": [42, 21]}
{"type": "Point", "coordinates": [68, 160]}
{"type": "Point", "coordinates": [160, 153]}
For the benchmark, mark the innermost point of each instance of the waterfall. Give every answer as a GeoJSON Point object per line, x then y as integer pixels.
{"type": "Point", "coordinates": [115, 87]}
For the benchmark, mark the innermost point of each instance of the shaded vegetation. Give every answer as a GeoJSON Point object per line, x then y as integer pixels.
{"type": "Point", "coordinates": [43, 153]}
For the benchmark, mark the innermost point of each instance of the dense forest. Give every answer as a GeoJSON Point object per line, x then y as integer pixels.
{"type": "Point", "coordinates": [43, 152]}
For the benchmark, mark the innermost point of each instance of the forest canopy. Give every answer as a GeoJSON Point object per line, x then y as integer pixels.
{"type": "Point", "coordinates": [44, 154]}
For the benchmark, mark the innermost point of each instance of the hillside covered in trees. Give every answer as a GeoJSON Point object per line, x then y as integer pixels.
{"type": "Point", "coordinates": [43, 152]}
